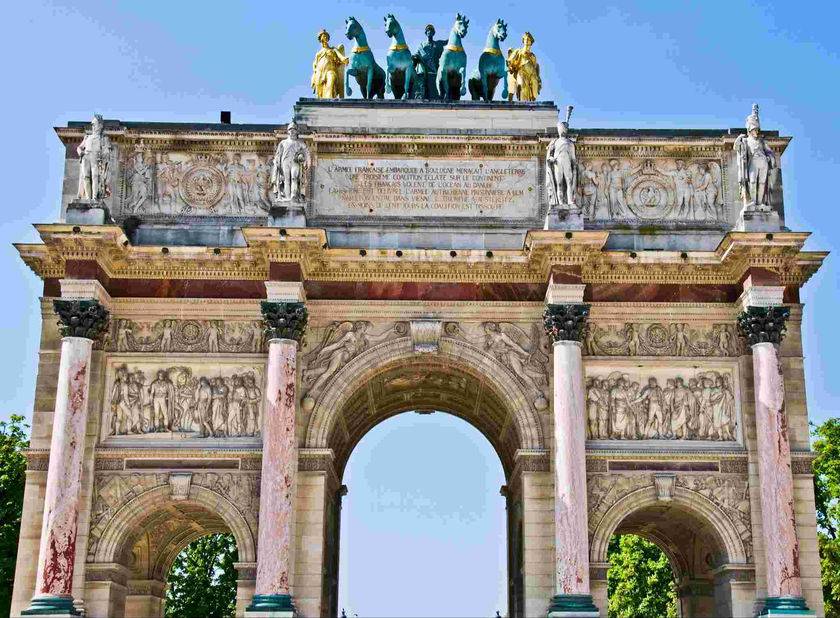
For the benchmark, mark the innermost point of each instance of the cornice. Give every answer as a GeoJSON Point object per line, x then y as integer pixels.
{"type": "Point", "coordinates": [581, 252]}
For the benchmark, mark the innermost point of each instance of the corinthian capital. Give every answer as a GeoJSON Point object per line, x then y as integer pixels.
{"type": "Point", "coordinates": [566, 322]}
{"type": "Point", "coordinates": [81, 318]}
{"type": "Point", "coordinates": [763, 324]}
{"type": "Point", "coordinates": [284, 320]}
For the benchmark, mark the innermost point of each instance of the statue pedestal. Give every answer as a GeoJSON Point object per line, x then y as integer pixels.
{"type": "Point", "coordinates": [287, 214]}
{"type": "Point", "coordinates": [87, 212]}
{"type": "Point", "coordinates": [562, 218]}
{"type": "Point", "coordinates": [758, 221]}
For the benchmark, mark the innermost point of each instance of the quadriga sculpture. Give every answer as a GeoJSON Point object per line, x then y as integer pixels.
{"type": "Point", "coordinates": [400, 76]}
{"type": "Point", "coordinates": [492, 67]}
{"type": "Point", "coordinates": [452, 71]}
{"type": "Point", "coordinates": [368, 74]}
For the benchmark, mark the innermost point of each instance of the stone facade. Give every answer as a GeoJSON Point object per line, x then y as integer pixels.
{"type": "Point", "coordinates": [415, 272]}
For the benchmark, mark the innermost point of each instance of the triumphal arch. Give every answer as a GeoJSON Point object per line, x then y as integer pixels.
{"type": "Point", "coordinates": [229, 308]}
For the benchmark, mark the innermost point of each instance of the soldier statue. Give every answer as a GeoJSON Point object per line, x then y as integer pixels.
{"type": "Point", "coordinates": [426, 61]}
{"type": "Point", "coordinates": [94, 158]}
{"type": "Point", "coordinates": [561, 166]}
{"type": "Point", "coordinates": [755, 161]}
{"type": "Point", "coordinates": [291, 159]}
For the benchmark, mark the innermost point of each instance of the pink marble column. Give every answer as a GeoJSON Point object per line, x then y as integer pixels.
{"type": "Point", "coordinates": [56, 557]}
{"type": "Point", "coordinates": [566, 324]}
{"type": "Point", "coordinates": [776, 480]}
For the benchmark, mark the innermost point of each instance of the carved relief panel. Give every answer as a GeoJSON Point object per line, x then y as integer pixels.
{"type": "Point", "coordinates": [661, 339]}
{"type": "Point", "coordinates": [670, 402]}
{"type": "Point", "coordinates": [186, 336]}
{"type": "Point", "coordinates": [183, 398]}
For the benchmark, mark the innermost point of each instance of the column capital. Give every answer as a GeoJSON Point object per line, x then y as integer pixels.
{"type": "Point", "coordinates": [81, 318]}
{"type": "Point", "coordinates": [763, 324]}
{"type": "Point", "coordinates": [284, 320]}
{"type": "Point", "coordinates": [566, 322]}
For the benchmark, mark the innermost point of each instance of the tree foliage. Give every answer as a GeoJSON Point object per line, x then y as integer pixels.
{"type": "Point", "coordinates": [202, 581]}
{"type": "Point", "coordinates": [827, 497]}
{"type": "Point", "coordinates": [13, 439]}
{"type": "Point", "coordinates": [640, 581]}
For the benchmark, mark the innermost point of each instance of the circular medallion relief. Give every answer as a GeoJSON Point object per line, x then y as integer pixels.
{"type": "Point", "coordinates": [202, 186]}
{"type": "Point", "coordinates": [191, 332]}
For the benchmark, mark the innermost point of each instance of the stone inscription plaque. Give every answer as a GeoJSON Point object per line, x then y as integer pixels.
{"type": "Point", "coordinates": [495, 188]}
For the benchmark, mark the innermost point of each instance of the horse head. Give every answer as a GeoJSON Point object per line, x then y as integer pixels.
{"type": "Point", "coordinates": [352, 27]}
{"type": "Point", "coordinates": [499, 30]}
{"type": "Point", "coordinates": [392, 26]}
{"type": "Point", "coordinates": [461, 24]}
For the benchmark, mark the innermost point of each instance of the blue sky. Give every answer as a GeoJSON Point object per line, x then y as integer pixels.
{"type": "Point", "coordinates": [633, 64]}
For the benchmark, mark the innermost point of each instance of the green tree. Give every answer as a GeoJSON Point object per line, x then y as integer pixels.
{"type": "Point", "coordinates": [827, 497]}
{"type": "Point", "coordinates": [13, 439]}
{"type": "Point", "coordinates": [640, 582]}
{"type": "Point", "coordinates": [202, 581]}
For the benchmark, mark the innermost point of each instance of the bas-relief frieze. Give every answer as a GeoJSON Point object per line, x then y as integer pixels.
{"type": "Point", "coordinates": [662, 403]}
{"type": "Point", "coordinates": [113, 491]}
{"type": "Point", "coordinates": [661, 339]}
{"type": "Point", "coordinates": [169, 184]}
{"type": "Point", "coordinates": [182, 399]}
{"type": "Point", "coordinates": [171, 335]}
{"type": "Point", "coordinates": [728, 492]}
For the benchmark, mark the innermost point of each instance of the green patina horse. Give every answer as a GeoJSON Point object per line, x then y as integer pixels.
{"type": "Point", "coordinates": [492, 67]}
{"type": "Point", "coordinates": [399, 76]}
{"type": "Point", "coordinates": [452, 70]}
{"type": "Point", "coordinates": [368, 74]}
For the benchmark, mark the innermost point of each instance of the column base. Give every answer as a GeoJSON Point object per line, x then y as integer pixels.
{"type": "Point", "coordinates": [51, 605]}
{"type": "Point", "coordinates": [271, 606]}
{"type": "Point", "coordinates": [785, 606]}
{"type": "Point", "coordinates": [572, 606]}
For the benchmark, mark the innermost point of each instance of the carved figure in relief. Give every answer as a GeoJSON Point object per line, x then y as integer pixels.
{"type": "Point", "coordinates": [452, 68]}
{"type": "Point", "coordinates": [369, 75]}
{"type": "Point", "coordinates": [521, 354]}
{"type": "Point", "coordinates": [169, 174]}
{"type": "Point", "coordinates": [632, 337]}
{"type": "Point", "coordinates": [291, 159]}
{"type": "Point", "coordinates": [616, 191]}
{"type": "Point", "coordinates": [253, 394]}
{"type": "Point", "coordinates": [139, 185]}
{"type": "Point", "coordinates": [524, 78]}
{"type": "Point", "coordinates": [399, 76]}
{"type": "Point", "coordinates": [328, 69]}
{"type": "Point", "coordinates": [561, 166]}
{"type": "Point", "coordinates": [755, 160]}
{"type": "Point", "coordinates": [680, 339]}
{"type": "Point", "coordinates": [95, 153]}
{"type": "Point", "coordinates": [682, 183]}
{"type": "Point", "coordinates": [166, 336]}
{"type": "Point", "coordinates": [492, 68]}
{"type": "Point", "coordinates": [426, 62]}
{"type": "Point", "coordinates": [618, 409]}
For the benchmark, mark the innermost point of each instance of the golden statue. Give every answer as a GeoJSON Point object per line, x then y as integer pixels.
{"type": "Point", "coordinates": [328, 69]}
{"type": "Point", "coordinates": [523, 71]}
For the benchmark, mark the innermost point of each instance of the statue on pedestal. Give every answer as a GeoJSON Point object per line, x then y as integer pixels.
{"type": "Point", "coordinates": [523, 71]}
{"type": "Point", "coordinates": [288, 168]}
{"type": "Point", "coordinates": [562, 167]}
{"type": "Point", "coordinates": [755, 161]}
{"type": "Point", "coordinates": [94, 159]}
{"type": "Point", "coordinates": [492, 68]}
{"type": "Point", "coordinates": [426, 62]}
{"type": "Point", "coordinates": [328, 69]}
{"type": "Point", "coordinates": [452, 70]}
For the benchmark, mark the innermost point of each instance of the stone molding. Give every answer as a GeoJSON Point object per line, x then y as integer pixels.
{"type": "Point", "coordinates": [84, 289]}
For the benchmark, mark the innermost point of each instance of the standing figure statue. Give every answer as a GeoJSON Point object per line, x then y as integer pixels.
{"type": "Point", "coordinates": [452, 69]}
{"type": "Point", "coordinates": [94, 159]}
{"type": "Point", "coordinates": [524, 80]}
{"type": "Point", "coordinates": [328, 69]}
{"type": "Point", "coordinates": [491, 66]}
{"type": "Point", "coordinates": [755, 160]}
{"type": "Point", "coordinates": [426, 62]}
{"type": "Point", "coordinates": [368, 74]}
{"type": "Point", "coordinates": [561, 166]}
{"type": "Point", "coordinates": [400, 77]}
{"type": "Point", "coordinates": [291, 159]}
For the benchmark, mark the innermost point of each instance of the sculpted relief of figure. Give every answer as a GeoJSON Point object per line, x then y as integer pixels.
{"type": "Point", "coordinates": [755, 161]}
{"type": "Point", "coordinates": [522, 355]}
{"type": "Point", "coordinates": [524, 81]}
{"type": "Point", "coordinates": [178, 401]}
{"type": "Point", "coordinates": [700, 408]}
{"type": "Point", "coordinates": [139, 185]}
{"type": "Point", "coordinates": [328, 69]}
{"type": "Point", "coordinates": [288, 168]}
{"type": "Point", "coordinates": [426, 61]}
{"type": "Point", "coordinates": [561, 166]}
{"type": "Point", "coordinates": [187, 336]}
{"type": "Point", "coordinates": [95, 153]}
{"type": "Point", "coordinates": [677, 339]}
